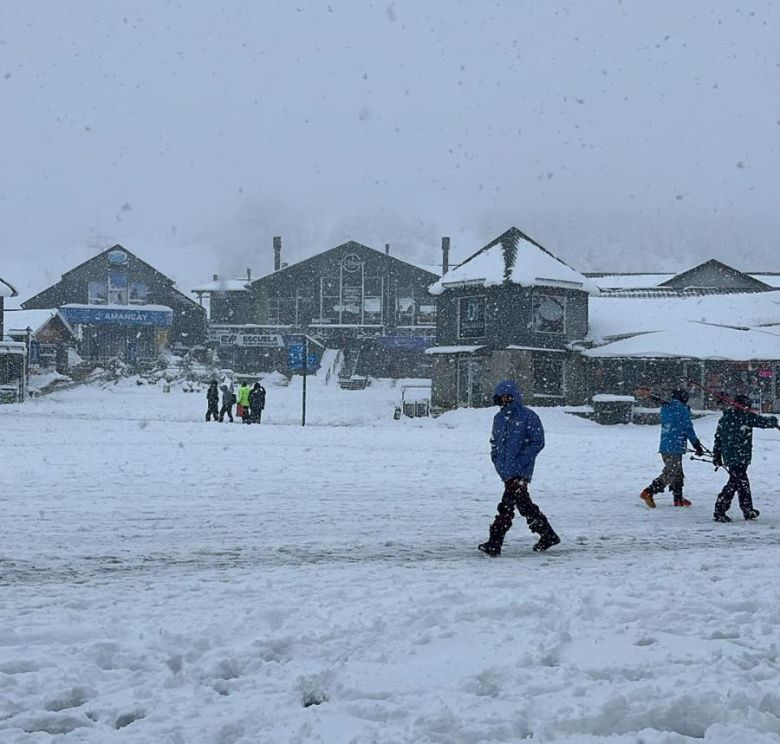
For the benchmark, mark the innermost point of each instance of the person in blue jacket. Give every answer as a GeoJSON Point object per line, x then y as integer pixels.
{"type": "Point", "coordinates": [517, 438]}
{"type": "Point", "coordinates": [676, 431]}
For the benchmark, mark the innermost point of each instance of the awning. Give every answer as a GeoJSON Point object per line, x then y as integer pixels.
{"type": "Point", "coordinates": [405, 343]}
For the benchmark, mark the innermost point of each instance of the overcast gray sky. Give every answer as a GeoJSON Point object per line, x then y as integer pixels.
{"type": "Point", "coordinates": [621, 135]}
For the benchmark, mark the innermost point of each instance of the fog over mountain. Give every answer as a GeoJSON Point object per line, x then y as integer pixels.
{"type": "Point", "coordinates": [621, 135]}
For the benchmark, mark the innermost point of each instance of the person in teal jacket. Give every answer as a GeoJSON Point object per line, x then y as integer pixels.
{"type": "Point", "coordinates": [676, 431]}
{"type": "Point", "coordinates": [733, 450]}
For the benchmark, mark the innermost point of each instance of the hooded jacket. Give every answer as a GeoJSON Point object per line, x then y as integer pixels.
{"type": "Point", "coordinates": [676, 428]}
{"type": "Point", "coordinates": [517, 436]}
{"type": "Point", "coordinates": [734, 435]}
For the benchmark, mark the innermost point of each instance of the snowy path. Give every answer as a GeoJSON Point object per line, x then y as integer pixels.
{"type": "Point", "coordinates": [164, 580]}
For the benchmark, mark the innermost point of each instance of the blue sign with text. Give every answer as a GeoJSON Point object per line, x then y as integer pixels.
{"type": "Point", "coordinates": [117, 316]}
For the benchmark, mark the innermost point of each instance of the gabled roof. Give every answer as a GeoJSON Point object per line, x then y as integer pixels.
{"type": "Point", "coordinates": [351, 246]}
{"type": "Point", "coordinates": [117, 247]}
{"type": "Point", "coordinates": [6, 289]}
{"type": "Point", "coordinates": [732, 278]}
{"type": "Point", "coordinates": [514, 258]}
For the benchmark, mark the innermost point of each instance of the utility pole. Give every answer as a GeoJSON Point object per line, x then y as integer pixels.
{"type": "Point", "coordinates": [305, 366]}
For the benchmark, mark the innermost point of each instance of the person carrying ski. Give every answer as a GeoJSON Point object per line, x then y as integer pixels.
{"type": "Point", "coordinates": [733, 450]}
{"type": "Point", "coordinates": [243, 402]}
{"type": "Point", "coordinates": [228, 398]}
{"type": "Point", "coordinates": [517, 438]}
{"type": "Point", "coordinates": [676, 431]}
{"type": "Point", "coordinates": [257, 402]}
{"type": "Point", "coordinates": [212, 398]}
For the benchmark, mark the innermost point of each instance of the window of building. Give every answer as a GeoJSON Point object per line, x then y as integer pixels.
{"type": "Point", "coordinates": [351, 298]}
{"type": "Point", "coordinates": [471, 317]}
{"type": "Point", "coordinates": [98, 293]}
{"type": "Point", "coordinates": [139, 293]}
{"type": "Point", "coordinates": [548, 313]}
{"type": "Point", "coordinates": [548, 375]}
{"type": "Point", "coordinates": [117, 288]}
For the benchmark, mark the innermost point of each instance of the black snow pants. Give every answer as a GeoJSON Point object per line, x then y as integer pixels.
{"type": "Point", "coordinates": [226, 409]}
{"type": "Point", "coordinates": [737, 483]}
{"type": "Point", "coordinates": [516, 496]}
{"type": "Point", "coordinates": [213, 411]}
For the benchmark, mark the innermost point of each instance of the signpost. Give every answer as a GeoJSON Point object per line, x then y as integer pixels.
{"type": "Point", "coordinates": [298, 361]}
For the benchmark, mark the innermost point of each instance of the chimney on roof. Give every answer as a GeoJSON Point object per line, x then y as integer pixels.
{"type": "Point", "coordinates": [249, 275]}
{"type": "Point", "coordinates": [445, 255]}
{"type": "Point", "coordinates": [277, 252]}
{"type": "Point", "coordinates": [215, 277]}
{"type": "Point", "coordinates": [387, 249]}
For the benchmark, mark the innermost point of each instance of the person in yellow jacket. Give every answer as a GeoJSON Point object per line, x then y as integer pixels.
{"type": "Point", "coordinates": [243, 402]}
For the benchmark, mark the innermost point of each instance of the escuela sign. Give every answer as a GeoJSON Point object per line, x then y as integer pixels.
{"type": "Point", "coordinates": [234, 337]}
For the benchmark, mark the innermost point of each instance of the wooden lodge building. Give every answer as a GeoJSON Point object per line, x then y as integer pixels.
{"type": "Point", "coordinates": [120, 306]}
{"type": "Point", "coordinates": [13, 355]}
{"type": "Point", "coordinates": [513, 310]}
{"type": "Point", "coordinates": [372, 306]}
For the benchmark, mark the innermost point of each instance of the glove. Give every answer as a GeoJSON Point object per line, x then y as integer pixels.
{"type": "Point", "coordinates": [698, 449]}
{"type": "Point", "coordinates": [717, 461]}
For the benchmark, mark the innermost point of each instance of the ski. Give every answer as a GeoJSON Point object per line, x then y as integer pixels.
{"type": "Point", "coordinates": [727, 399]}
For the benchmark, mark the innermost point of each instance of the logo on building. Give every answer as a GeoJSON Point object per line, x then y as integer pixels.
{"type": "Point", "coordinates": [117, 258]}
{"type": "Point", "coordinates": [351, 262]}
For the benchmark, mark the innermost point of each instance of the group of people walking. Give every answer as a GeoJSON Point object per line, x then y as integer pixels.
{"type": "Point", "coordinates": [732, 451]}
{"type": "Point", "coordinates": [517, 438]}
{"type": "Point", "coordinates": [249, 402]}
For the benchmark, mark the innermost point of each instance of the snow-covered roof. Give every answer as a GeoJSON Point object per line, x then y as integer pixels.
{"type": "Point", "coordinates": [223, 285]}
{"type": "Point", "coordinates": [533, 265]}
{"type": "Point", "coordinates": [6, 289]}
{"type": "Point", "coordinates": [773, 280]}
{"type": "Point", "coordinates": [453, 349]}
{"type": "Point", "coordinates": [13, 347]}
{"type": "Point", "coordinates": [21, 320]}
{"type": "Point", "coordinates": [630, 281]}
{"type": "Point", "coordinates": [653, 281]}
{"type": "Point", "coordinates": [623, 316]}
{"type": "Point", "coordinates": [138, 308]}
{"type": "Point", "coordinates": [695, 341]}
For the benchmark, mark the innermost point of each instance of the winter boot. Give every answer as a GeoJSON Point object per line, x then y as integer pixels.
{"type": "Point", "coordinates": [752, 514]}
{"type": "Point", "coordinates": [720, 517]}
{"type": "Point", "coordinates": [680, 501]}
{"type": "Point", "coordinates": [490, 549]}
{"type": "Point", "coordinates": [647, 497]}
{"type": "Point", "coordinates": [547, 540]}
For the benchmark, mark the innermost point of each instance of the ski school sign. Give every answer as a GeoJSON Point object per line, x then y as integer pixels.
{"type": "Point", "coordinates": [160, 317]}
{"type": "Point", "coordinates": [226, 336]}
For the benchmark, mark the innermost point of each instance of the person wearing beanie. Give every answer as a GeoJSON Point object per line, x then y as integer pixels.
{"type": "Point", "coordinates": [733, 450]}
{"type": "Point", "coordinates": [676, 431]}
{"type": "Point", "coordinates": [517, 438]}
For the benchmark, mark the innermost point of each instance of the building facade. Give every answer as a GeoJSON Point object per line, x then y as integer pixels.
{"type": "Point", "coordinates": [511, 310]}
{"type": "Point", "coordinates": [122, 307]}
{"type": "Point", "coordinates": [13, 356]}
{"type": "Point", "coordinates": [371, 305]}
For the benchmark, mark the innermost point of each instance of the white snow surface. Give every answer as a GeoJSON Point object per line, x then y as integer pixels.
{"type": "Point", "coordinates": [533, 267]}
{"type": "Point", "coordinates": [166, 580]}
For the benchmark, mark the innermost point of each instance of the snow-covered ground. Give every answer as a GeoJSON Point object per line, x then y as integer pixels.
{"type": "Point", "coordinates": [164, 580]}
